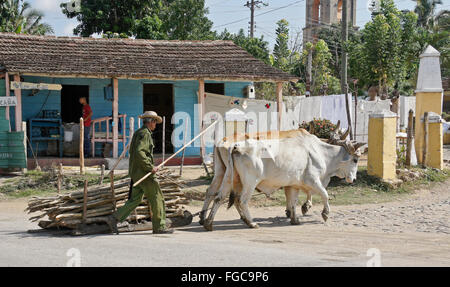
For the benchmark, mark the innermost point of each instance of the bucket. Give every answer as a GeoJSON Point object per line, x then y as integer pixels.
{"type": "Point", "coordinates": [68, 136]}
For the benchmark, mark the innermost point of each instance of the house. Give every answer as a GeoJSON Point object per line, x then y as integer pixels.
{"type": "Point", "coordinates": [124, 77]}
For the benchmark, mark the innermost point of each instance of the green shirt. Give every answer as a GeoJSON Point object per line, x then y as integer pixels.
{"type": "Point", "coordinates": [141, 154]}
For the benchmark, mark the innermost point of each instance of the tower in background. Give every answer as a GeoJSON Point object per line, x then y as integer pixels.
{"type": "Point", "coordinates": [322, 13]}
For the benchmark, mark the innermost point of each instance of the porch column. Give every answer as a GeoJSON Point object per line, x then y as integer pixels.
{"type": "Point", "coordinates": [201, 109]}
{"type": "Point", "coordinates": [8, 93]}
{"type": "Point", "coordinates": [279, 103]}
{"type": "Point", "coordinates": [18, 94]}
{"type": "Point", "coordinates": [116, 118]}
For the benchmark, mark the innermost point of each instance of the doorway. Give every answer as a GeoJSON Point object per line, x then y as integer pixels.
{"type": "Point", "coordinates": [71, 109]}
{"type": "Point", "coordinates": [159, 98]}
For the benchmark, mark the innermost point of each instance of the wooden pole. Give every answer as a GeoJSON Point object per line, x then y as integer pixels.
{"type": "Point", "coordinates": [18, 94]}
{"type": "Point", "coordinates": [124, 152]}
{"type": "Point", "coordinates": [116, 118]}
{"type": "Point", "coordinates": [164, 139]}
{"type": "Point", "coordinates": [356, 108]}
{"type": "Point", "coordinates": [113, 192]}
{"type": "Point", "coordinates": [184, 143]}
{"type": "Point", "coordinates": [130, 137]}
{"type": "Point", "coordinates": [201, 110]}
{"type": "Point", "coordinates": [81, 146]}
{"type": "Point", "coordinates": [8, 93]}
{"type": "Point", "coordinates": [409, 138]}
{"type": "Point", "coordinates": [102, 174]}
{"type": "Point", "coordinates": [347, 108]}
{"type": "Point", "coordinates": [279, 103]}
{"type": "Point", "coordinates": [60, 175]}
{"type": "Point", "coordinates": [175, 154]}
{"type": "Point", "coordinates": [425, 139]}
{"type": "Point", "coordinates": [85, 195]}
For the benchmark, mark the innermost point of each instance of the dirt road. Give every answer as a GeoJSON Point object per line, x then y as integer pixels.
{"type": "Point", "coordinates": [412, 232]}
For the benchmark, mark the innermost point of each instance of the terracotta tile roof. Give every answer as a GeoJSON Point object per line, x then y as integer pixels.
{"type": "Point", "coordinates": [128, 58]}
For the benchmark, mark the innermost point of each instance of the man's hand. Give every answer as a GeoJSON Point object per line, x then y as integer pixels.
{"type": "Point", "coordinates": [154, 170]}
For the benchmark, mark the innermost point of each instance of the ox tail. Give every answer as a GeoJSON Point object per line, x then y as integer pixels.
{"type": "Point", "coordinates": [231, 178]}
{"type": "Point", "coordinates": [231, 199]}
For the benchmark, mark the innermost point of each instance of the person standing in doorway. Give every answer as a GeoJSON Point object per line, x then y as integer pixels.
{"type": "Point", "coordinates": [87, 118]}
{"type": "Point", "coordinates": [140, 163]}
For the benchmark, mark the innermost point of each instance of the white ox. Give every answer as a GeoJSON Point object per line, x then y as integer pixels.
{"type": "Point", "coordinates": [294, 160]}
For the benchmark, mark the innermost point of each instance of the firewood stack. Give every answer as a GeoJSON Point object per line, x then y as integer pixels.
{"type": "Point", "coordinates": [81, 208]}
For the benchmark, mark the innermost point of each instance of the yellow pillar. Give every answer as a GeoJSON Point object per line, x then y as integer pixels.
{"type": "Point", "coordinates": [382, 157]}
{"type": "Point", "coordinates": [429, 94]}
{"type": "Point", "coordinates": [425, 102]}
{"type": "Point", "coordinates": [435, 149]}
{"type": "Point", "coordinates": [235, 122]}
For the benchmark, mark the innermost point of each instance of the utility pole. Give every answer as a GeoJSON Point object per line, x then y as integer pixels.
{"type": "Point", "coordinates": [344, 85]}
{"type": "Point", "coordinates": [344, 53]}
{"type": "Point", "coordinates": [253, 5]}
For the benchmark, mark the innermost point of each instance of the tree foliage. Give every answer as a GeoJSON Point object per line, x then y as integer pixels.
{"type": "Point", "coordinates": [322, 79]}
{"type": "Point", "coordinates": [17, 16]}
{"type": "Point", "coordinates": [387, 53]}
{"type": "Point", "coordinates": [147, 19]}
{"type": "Point", "coordinates": [257, 47]}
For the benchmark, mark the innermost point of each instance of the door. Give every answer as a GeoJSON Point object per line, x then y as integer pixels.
{"type": "Point", "coordinates": [159, 98]}
{"type": "Point", "coordinates": [71, 109]}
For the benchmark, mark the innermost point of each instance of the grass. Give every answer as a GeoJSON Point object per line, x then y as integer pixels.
{"type": "Point", "coordinates": [43, 183]}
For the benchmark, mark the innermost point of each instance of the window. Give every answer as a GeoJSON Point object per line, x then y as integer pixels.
{"type": "Point", "coordinates": [215, 88]}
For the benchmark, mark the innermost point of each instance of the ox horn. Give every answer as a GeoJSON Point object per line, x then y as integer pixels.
{"type": "Point", "coordinates": [345, 135]}
{"type": "Point", "coordinates": [338, 125]}
{"type": "Point", "coordinates": [358, 145]}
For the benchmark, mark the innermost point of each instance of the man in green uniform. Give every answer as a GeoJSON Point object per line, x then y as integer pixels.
{"type": "Point", "coordinates": [141, 163]}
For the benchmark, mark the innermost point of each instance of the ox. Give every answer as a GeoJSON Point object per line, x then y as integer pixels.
{"type": "Point", "coordinates": [294, 160]}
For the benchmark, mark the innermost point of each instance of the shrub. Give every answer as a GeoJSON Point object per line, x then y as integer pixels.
{"type": "Point", "coordinates": [322, 128]}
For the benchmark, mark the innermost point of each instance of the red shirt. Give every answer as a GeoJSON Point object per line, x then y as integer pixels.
{"type": "Point", "coordinates": [86, 112]}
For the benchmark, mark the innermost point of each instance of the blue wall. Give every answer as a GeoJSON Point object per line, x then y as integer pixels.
{"type": "Point", "coordinates": [130, 100]}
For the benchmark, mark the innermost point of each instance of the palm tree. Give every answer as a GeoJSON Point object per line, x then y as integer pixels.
{"type": "Point", "coordinates": [17, 16]}
{"type": "Point", "coordinates": [425, 11]}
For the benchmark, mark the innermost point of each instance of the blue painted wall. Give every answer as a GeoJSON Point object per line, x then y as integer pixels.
{"type": "Point", "coordinates": [130, 100]}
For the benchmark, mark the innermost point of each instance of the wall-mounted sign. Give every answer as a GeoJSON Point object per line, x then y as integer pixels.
{"type": "Point", "coordinates": [8, 101]}
{"type": "Point", "coordinates": [34, 86]}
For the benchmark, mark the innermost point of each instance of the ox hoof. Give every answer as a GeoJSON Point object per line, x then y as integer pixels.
{"type": "Point", "coordinates": [306, 207]}
{"type": "Point", "coordinates": [325, 216]}
{"type": "Point", "coordinates": [201, 222]}
{"type": "Point", "coordinates": [253, 225]}
{"type": "Point", "coordinates": [295, 221]}
{"type": "Point", "coordinates": [208, 226]}
{"type": "Point", "coordinates": [288, 213]}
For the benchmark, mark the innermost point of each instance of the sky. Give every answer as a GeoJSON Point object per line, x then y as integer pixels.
{"type": "Point", "coordinates": [232, 15]}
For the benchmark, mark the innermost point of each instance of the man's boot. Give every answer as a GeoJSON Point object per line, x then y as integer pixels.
{"type": "Point", "coordinates": [112, 222]}
{"type": "Point", "coordinates": [164, 231]}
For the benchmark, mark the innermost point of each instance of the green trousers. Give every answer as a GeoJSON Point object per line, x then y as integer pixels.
{"type": "Point", "coordinates": [149, 187]}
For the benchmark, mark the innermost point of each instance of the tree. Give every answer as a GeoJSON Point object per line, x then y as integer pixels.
{"type": "Point", "coordinates": [322, 79]}
{"type": "Point", "coordinates": [332, 35]}
{"type": "Point", "coordinates": [281, 50]}
{"type": "Point", "coordinates": [257, 47]}
{"type": "Point", "coordinates": [425, 11]}
{"type": "Point", "coordinates": [145, 19]}
{"type": "Point", "coordinates": [187, 20]}
{"type": "Point", "coordinates": [17, 16]}
{"type": "Point", "coordinates": [387, 52]}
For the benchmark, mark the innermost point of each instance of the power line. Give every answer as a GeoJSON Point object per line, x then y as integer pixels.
{"type": "Point", "coordinates": [264, 13]}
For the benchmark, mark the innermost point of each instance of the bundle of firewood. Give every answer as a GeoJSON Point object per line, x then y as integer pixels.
{"type": "Point", "coordinates": [93, 204]}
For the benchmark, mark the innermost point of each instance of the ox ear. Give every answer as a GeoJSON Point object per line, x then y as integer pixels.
{"type": "Point", "coordinates": [358, 145]}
